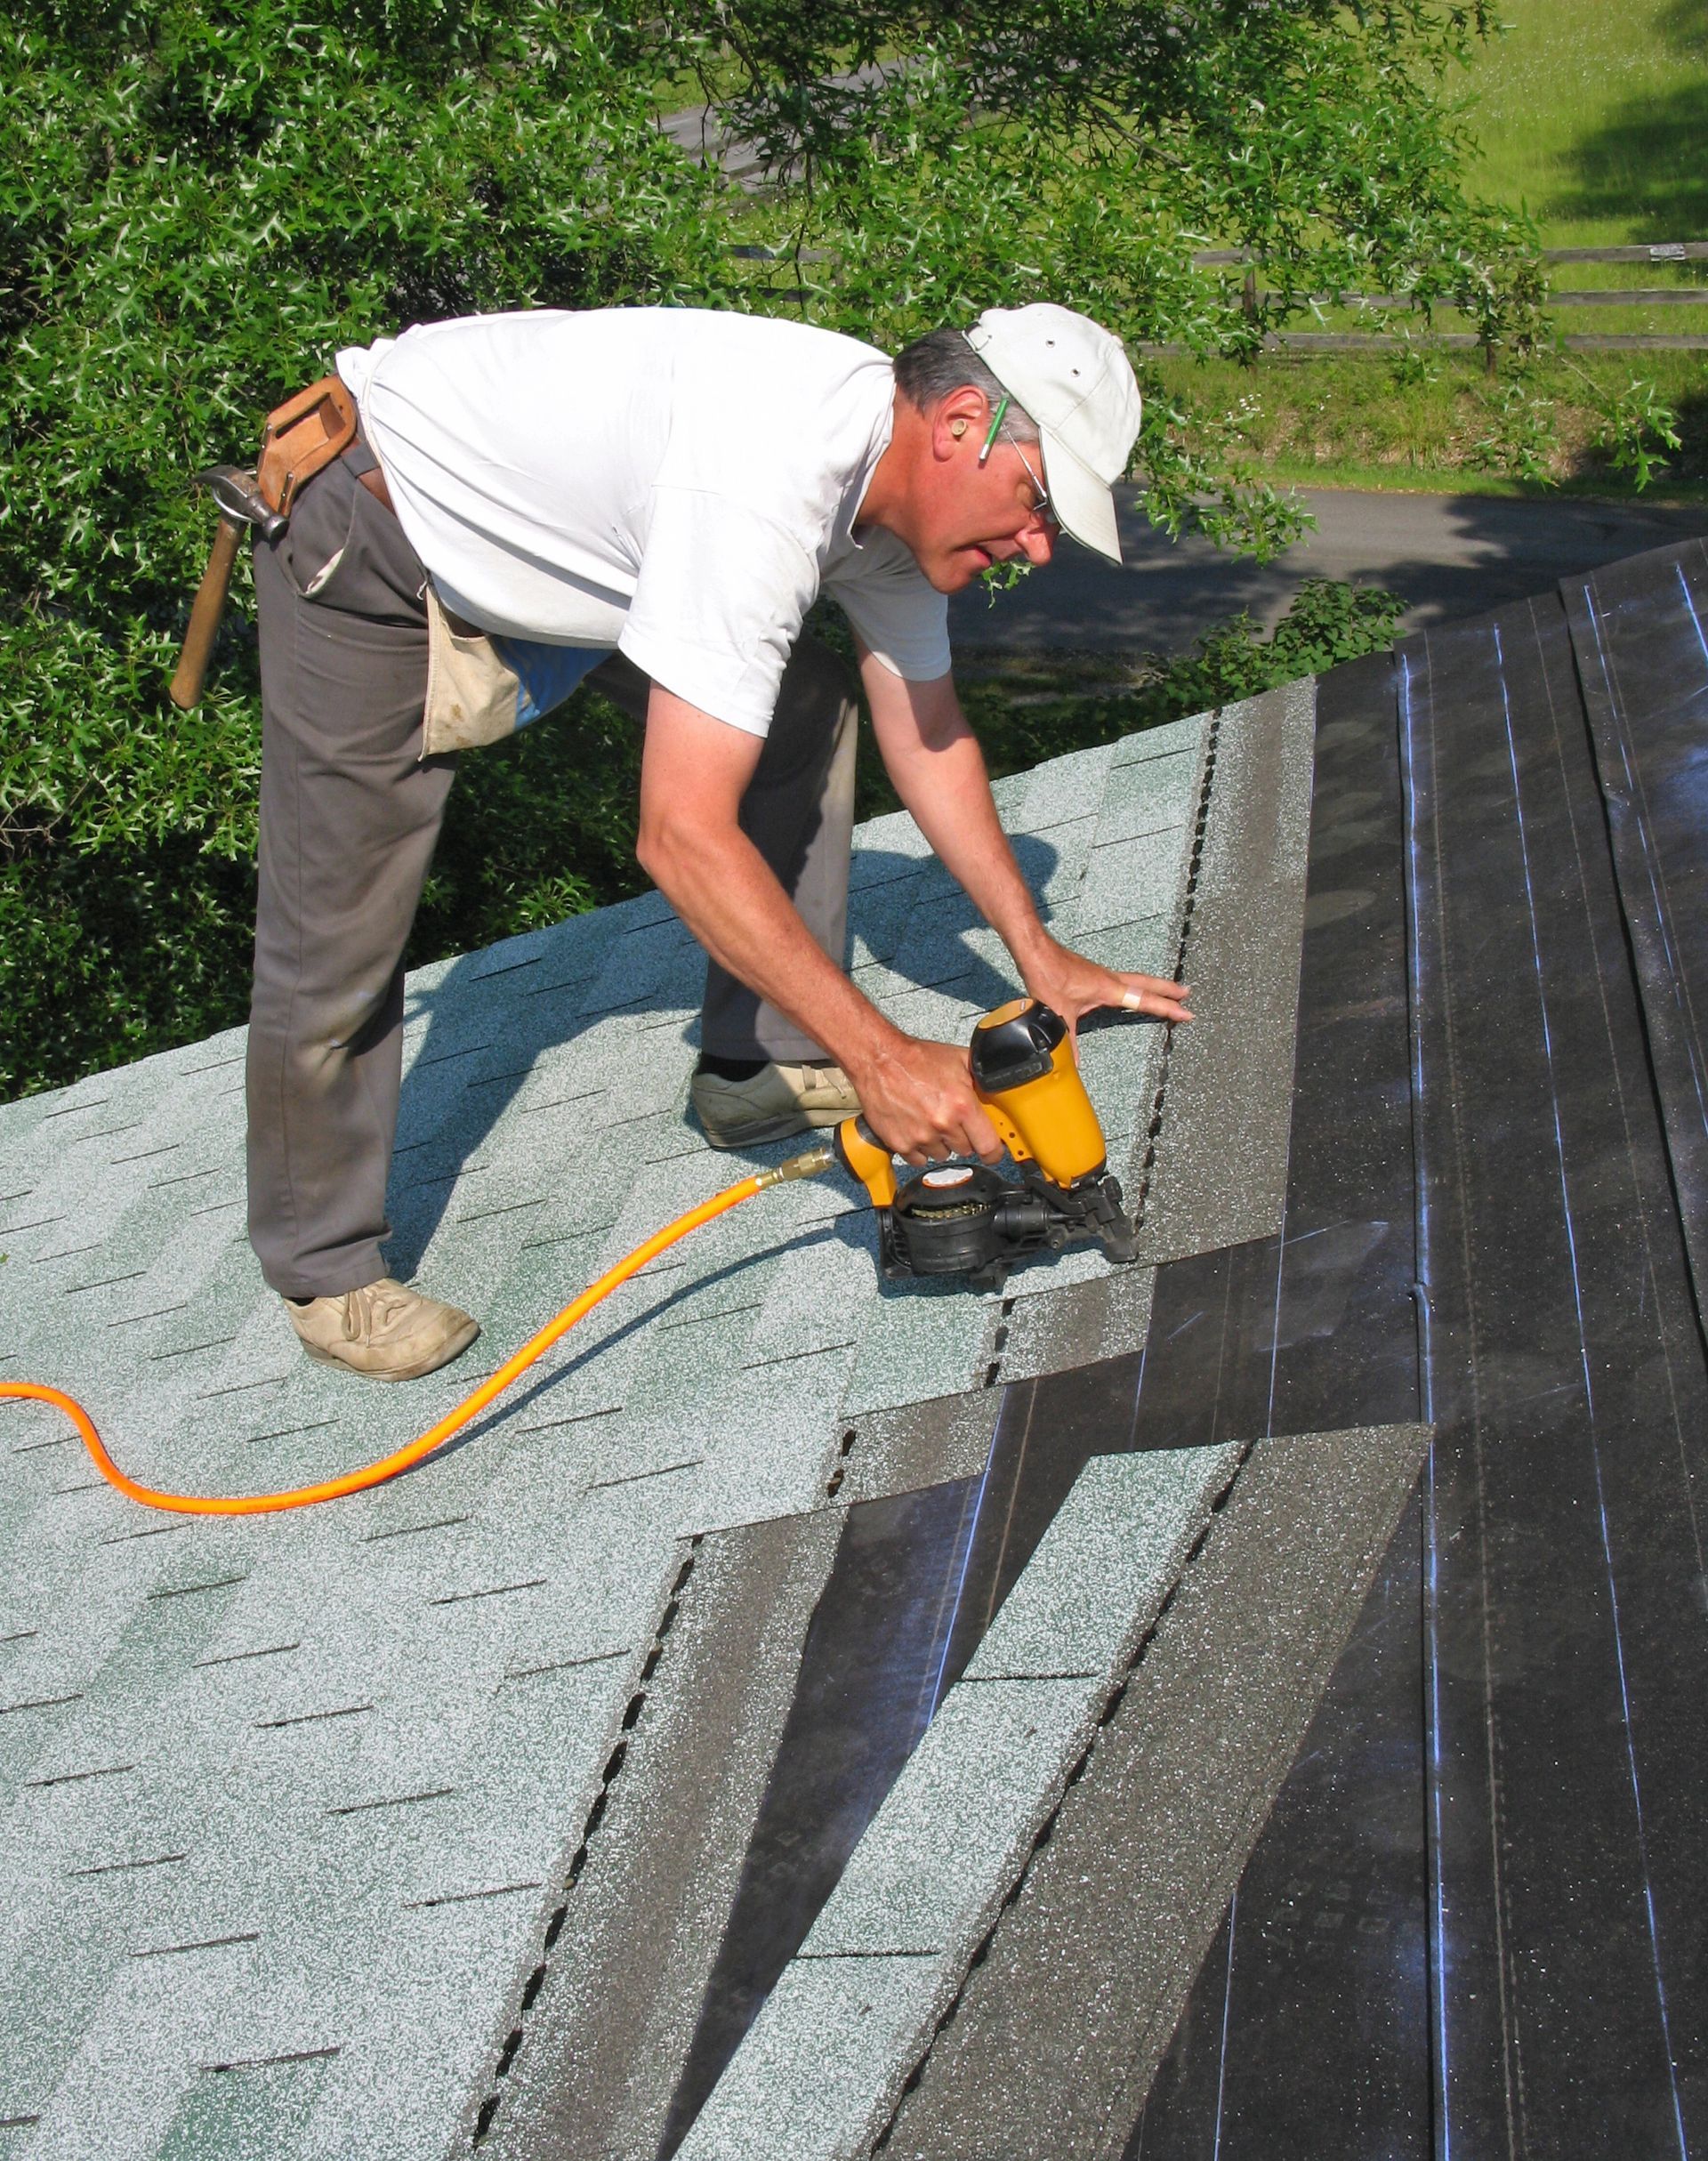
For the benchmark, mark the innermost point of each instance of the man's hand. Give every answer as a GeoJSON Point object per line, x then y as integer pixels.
{"type": "Point", "coordinates": [934, 761]}
{"type": "Point", "coordinates": [918, 1097]}
{"type": "Point", "coordinates": [1074, 986]}
{"type": "Point", "coordinates": [919, 1100]}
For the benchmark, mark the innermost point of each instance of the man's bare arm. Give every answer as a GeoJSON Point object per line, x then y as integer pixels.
{"type": "Point", "coordinates": [917, 1096]}
{"type": "Point", "coordinates": [933, 758]}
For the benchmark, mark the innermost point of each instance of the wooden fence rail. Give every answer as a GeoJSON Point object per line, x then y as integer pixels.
{"type": "Point", "coordinates": [1366, 341]}
{"type": "Point", "coordinates": [1657, 251]}
{"type": "Point", "coordinates": [1571, 296]}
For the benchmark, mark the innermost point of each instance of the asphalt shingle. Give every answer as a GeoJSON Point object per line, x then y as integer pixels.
{"type": "Point", "coordinates": [374, 1732]}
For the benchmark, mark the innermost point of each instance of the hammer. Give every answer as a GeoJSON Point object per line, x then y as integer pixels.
{"type": "Point", "coordinates": [239, 503]}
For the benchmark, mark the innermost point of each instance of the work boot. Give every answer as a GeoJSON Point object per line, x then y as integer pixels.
{"type": "Point", "coordinates": [384, 1330]}
{"type": "Point", "coordinates": [772, 1102]}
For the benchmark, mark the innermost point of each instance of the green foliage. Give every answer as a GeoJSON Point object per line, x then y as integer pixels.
{"type": "Point", "coordinates": [1326, 623]}
{"type": "Point", "coordinates": [202, 200]}
{"type": "Point", "coordinates": [1084, 153]}
{"type": "Point", "coordinates": [538, 827]}
{"type": "Point", "coordinates": [109, 956]}
{"type": "Point", "coordinates": [1637, 424]}
{"type": "Point", "coordinates": [1023, 715]}
{"type": "Point", "coordinates": [1518, 431]}
{"type": "Point", "coordinates": [199, 203]}
{"type": "Point", "coordinates": [1423, 418]}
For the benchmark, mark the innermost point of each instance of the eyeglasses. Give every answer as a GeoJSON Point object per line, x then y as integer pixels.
{"type": "Point", "coordinates": [1041, 509]}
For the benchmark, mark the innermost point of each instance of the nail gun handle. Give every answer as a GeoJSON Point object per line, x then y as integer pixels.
{"type": "Point", "coordinates": [1007, 1131]}
{"type": "Point", "coordinates": [185, 690]}
{"type": "Point", "coordinates": [865, 1157]}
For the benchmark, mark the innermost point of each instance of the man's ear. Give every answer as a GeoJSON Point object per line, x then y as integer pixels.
{"type": "Point", "coordinates": [962, 418]}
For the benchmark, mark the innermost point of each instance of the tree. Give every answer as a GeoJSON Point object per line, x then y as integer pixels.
{"type": "Point", "coordinates": [202, 200]}
{"type": "Point", "coordinates": [1083, 150]}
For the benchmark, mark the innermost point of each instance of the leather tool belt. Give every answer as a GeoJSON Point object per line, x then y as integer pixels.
{"type": "Point", "coordinates": [475, 692]}
{"type": "Point", "coordinates": [301, 437]}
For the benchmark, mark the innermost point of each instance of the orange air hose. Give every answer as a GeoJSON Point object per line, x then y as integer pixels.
{"type": "Point", "coordinates": [805, 1166]}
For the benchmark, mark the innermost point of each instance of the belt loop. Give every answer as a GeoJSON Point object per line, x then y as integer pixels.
{"type": "Point", "coordinates": [366, 468]}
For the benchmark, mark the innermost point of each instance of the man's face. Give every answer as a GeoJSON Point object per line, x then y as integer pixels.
{"type": "Point", "coordinates": [966, 515]}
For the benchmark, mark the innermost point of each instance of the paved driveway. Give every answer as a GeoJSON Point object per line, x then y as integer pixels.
{"type": "Point", "coordinates": [1449, 556]}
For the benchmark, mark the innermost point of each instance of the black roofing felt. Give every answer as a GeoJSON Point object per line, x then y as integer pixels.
{"type": "Point", "coordinates": [1471, 1922]}
{"type": "Point", "coordinates": [1639, 634]}
{"type": "Point", "coordinates": [1567, 1375]}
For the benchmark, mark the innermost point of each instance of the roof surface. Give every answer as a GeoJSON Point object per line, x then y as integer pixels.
{"type": "Point", "coordinates": [300, 1793]}
{"type": "Point", "coordinates": [818, 1719]}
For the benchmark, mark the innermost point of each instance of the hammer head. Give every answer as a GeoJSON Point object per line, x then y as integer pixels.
{"type": "Point", "coordinates": [239, 500]}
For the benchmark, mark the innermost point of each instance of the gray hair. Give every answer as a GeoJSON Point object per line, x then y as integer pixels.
{"type": "Point", "coordinates": [935, 367]}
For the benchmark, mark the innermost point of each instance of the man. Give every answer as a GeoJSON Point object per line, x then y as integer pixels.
{"type": "Point", "coordinates": [656, 495]}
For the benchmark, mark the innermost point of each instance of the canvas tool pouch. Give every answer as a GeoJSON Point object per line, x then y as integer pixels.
{"type": "Point", "coordinates": [480, 687]}
{"type": "Point", "coordinates": [473, 695]}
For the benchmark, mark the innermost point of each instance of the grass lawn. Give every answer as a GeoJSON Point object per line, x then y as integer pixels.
{"type": "Point", "coordinates": [1370, 420]}
{"type": "Point", "coordinates": [1593, 114]}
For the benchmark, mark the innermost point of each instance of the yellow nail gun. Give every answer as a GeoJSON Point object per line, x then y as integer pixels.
{"type": "Point", "coordinates": [960, 1218]}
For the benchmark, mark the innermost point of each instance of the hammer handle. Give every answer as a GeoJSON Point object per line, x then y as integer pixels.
{"type": "Point", "coordinates": [186, 686]}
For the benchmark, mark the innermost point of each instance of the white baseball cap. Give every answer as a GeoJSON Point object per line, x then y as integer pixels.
{"type": "Point", "coordinates": [1075, 380]}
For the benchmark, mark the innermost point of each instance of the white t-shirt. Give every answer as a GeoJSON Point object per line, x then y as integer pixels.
{"type": "Point", "coordinates": [672, 482]}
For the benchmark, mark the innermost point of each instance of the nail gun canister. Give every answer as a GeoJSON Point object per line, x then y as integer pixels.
{"type": "Point", "coordinates": [1024, 1069]}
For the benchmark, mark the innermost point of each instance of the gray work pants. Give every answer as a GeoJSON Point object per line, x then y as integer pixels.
{"type": "Point", "coordinates": [349, 814]}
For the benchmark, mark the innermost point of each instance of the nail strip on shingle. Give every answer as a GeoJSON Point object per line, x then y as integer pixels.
{"type": "Point", "coordinates": [77, 1778]}
{"type": "Point", "coordinates": [266, 2063]}
{"type": "Point", "coordinates": [242, 1387]}
{"type": "Point", "coordinates": [558, 1103]}
{"type": "Point", "coordinates": [110, 1868]}
{"type": "Point", "coordinates": [463, 1598]}
{"type": "Point", "coordinates": [634, 1477]}
{"type": "Point", "coordinates": [285, 1433]}
{"type": "Point", "coordinates": [392, 1801]}
{"type": "Point", "coordinates": [565, 1665]}
{"type": "Point", "coordinates": [184, 1350]}
{"type": "Point", "coordinates": [411, 1531]}
{"type": "Point", "coordinates": [509, 1207]}
{"type": "Point", "coordinates": [313, 1718]}
{"type": "Point", "coordinates": [208, 1943]}
{"type": "Point", "coordinates": [466, 1898]}
{"type": "Point", "coordinates": [236, 1658]}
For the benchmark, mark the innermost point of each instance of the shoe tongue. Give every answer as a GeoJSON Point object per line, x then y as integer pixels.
{"type": "Point", "coordinates": [371, 1307]}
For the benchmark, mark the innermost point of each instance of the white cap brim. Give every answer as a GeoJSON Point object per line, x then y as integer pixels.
{"type": "Point", "coordinates": [1081, 502]}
